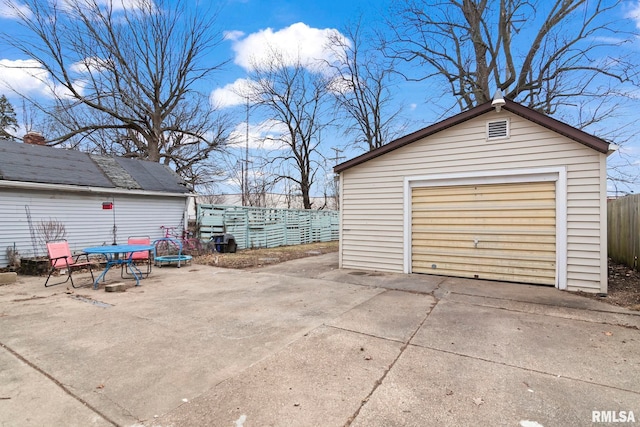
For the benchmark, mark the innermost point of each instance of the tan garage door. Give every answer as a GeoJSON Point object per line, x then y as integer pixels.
{"type": "Point", "coordinates": [497, 232]}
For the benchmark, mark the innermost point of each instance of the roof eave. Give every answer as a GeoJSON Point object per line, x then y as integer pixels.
{"type": "Point", "coordinates": [24, 185]}
{"type": "Point", "coordinates": [513, 107]}
{"type": "Point", "coordinates": [559, 127]}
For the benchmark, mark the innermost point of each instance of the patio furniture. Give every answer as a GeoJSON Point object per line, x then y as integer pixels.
{"type": "Point", "coordinates": [143, 257]}
{"type": "Point", "coordinates": [112, 254]}
{"type": "Point", "coordinates": [168, 251]}
{"type": "Point", "coordinates": [63, 261]}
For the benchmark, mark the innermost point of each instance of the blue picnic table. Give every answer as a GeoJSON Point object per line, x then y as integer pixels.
{"type": "Point", "coordinates": [118, 255]}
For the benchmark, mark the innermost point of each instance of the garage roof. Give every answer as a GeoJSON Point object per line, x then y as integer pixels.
{"type": "Point", "coordinates": [49, 165]}
{"type": "Point", "coordinates": [577, 135]}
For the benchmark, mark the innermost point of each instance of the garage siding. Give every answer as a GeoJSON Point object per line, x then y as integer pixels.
{"type": "Point", "coordinates": [373, 200]}
{"type": "Point", "coordinates": [86, 223]}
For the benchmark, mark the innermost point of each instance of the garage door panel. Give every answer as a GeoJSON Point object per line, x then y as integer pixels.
{"type": "Point", "coordinates": [541, 230]}
{"type": "Point", "coordinates": [461, 194]}
{"type": "Point", "coordinates": [541, 237]}
{"type": "Point", "coordinates": [495, 222]}
{"type": "Point", "coordinates": [493, 246]}
{"type": "Point", "coordinates": [536, 277]}
{"type": "Point", "coordinates": [498, 231]}
{"type": "Point", "coordinates": [493, 272]}
{"type": "Point", "coordinates": [531, 210]}
{"type": "Point", "coordinates": [523, 258]}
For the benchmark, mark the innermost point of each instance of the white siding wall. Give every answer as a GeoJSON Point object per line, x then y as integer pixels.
{"type": "Point", "coordinates": [86, 223]}
{"type": "Point", "coordinates": [373, 199]}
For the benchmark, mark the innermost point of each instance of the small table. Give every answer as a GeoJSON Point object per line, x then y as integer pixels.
{"type": "Point", "coordinates": [112, 254]}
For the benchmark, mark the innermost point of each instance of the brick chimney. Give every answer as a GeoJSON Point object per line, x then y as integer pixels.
{"type": "Point", "coordinates": [34, 138]}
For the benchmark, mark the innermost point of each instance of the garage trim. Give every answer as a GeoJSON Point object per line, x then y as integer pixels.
{"type": "Point", "coordinates": [555, 174]}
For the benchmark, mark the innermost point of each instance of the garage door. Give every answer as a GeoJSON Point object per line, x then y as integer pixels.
{"type": "Point", "coordinates": [497, 232]}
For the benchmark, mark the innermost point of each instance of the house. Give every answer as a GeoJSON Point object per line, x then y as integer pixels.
{"type": "Point", "coordinates": [97, 199]}
{"type": "Point", "coordinates": [504, 194]}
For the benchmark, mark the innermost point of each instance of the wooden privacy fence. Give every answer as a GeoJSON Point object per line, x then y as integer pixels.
{"type": "Point", "coordinates": [267, 227]}
{"type": "Point", "coordinates": [623, 230]}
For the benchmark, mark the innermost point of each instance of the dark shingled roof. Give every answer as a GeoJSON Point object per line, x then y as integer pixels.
{"type": "Point", "coordinates": [577, 135]}
{"type": "Point", "coordinates": [50, 165]}
{"type": "Point", "coordinates": [152, 176]}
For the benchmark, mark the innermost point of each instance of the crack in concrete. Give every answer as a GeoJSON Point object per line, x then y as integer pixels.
{"type": "Point", "coordinates": [123, 409]}
{"type": "Point", "coordinates": [557, 316]}
{"type": "Point", "coordinates": [58, 383]}
{"type": "Point", "coordinates": [525, 369]}
{"type": "Point", "coordinates": [364, 333]}
{"type": "Point", "coordinates": [546, 304]}
{"type": "Point", "coordinates": [405, 345]}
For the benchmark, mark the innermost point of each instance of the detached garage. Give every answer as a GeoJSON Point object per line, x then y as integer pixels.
{"type": "Point", "coordinates": [510, 195]}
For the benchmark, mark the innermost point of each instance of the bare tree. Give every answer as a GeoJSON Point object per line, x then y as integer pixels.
{"type": "Point", "coordinates": [362, 87]}
{"type": "Point", "coordinates": [294, 97]}
{"type": "Point", "coordinates": [543, 54]}
{"type": "Point", "coordinates": [259, 184]}
{"type": "Point", "coordinates": [211, 199]}
{"type": "Point", "coordinates": [8, 119]}
{"type": "Point", "coordinates": [126, 73]}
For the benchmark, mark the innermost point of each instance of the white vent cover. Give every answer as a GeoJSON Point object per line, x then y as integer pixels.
{"type": "Point", "coordinates": [498, 129]}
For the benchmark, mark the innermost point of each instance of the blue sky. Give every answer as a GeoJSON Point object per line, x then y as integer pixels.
{"type": "Point", "coordinates": [249, 25]}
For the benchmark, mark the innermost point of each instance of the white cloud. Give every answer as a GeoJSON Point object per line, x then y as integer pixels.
{"type": "Point", "coordinates": [115, 4]}
{"type": "Point", "coordinates": [91, 64]}
{"type": "Point", "coordinates": [634, 14]}
{"type": "Point", "coordinates": [263, 136]}
{"type": "Point", "coordinates": [233, 35]}
{"type": "Point", "coordinates": [24, 76]}
{"type": "Point", "coordinates": [231, 94]}
{"type": "Point", "coordinates": [340, 85]}
{"type": "Point", "coordinates": [14, 10]}
{"type": "Point", "coordinates": [27, 77]}
{"type": "Point", "coordinates": [71, 6]}
{"type": "Point", "coordinates": [298, 42]}
{"type": "Point", "coordinates": [127, 4]}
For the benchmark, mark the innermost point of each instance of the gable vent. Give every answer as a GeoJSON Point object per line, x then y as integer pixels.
{"type": "Point", "coordinates": [498, 129]}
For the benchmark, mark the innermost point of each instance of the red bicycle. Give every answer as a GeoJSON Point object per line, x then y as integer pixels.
{"type": "Point", "coordinates": [190, 245]}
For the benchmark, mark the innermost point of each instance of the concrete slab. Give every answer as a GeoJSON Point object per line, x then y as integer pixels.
{"type": "Point", "coordinates": [392, 315]}
{"type": "Point", "coordinates": [325, 267]}
{"type": "Point", "coordinates": [419, 284]}
{"type": "Point", "coordinates": [29, 398]}
{"type": "Point", "coordinates": [303, 343]}
{"type": "Point", "coordinates": [582, 350]}
{"type": "Point", "coordinates": [535, 294]}
{"type": "Point", "coordinates": [139, 353]}
{"type": "Point", "coordinates": [312, 267]}
{"type": "Point", "coordinates": [319, 380]}
{"type": "Point", "coordinates": [593, 311]}
{"type": "Point", "coordinates": [435, 388]}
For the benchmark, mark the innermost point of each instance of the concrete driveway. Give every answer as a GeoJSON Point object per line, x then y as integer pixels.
{"type": "Point", "coordinates": [305, 344]}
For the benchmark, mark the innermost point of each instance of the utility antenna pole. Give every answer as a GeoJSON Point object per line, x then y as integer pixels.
{"type": "Point", "coordinates": [245, 166]}
{"type": "Point", "coordinates": [337, 157]}
{"type": "Point", "coordinates": [335, 184]}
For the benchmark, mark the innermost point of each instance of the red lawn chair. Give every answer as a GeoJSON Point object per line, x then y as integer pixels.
{"type": "Point", "coordinates": [61, 259]}
{"type": "Point", "coordinates": [137, 257]}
